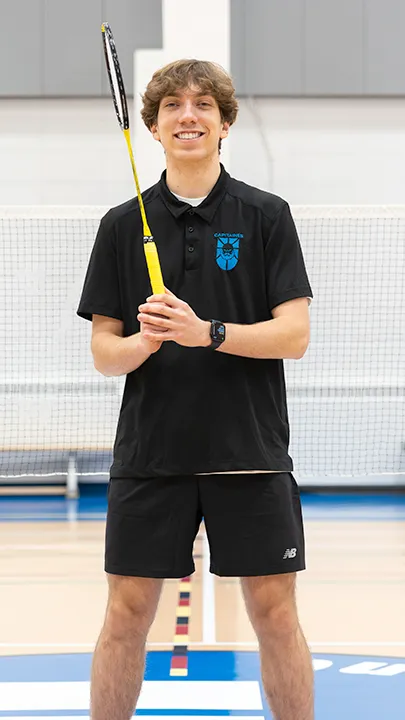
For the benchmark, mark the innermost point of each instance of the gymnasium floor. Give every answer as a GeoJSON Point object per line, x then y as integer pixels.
{"type": "Point", "coordinates": [351, 599]}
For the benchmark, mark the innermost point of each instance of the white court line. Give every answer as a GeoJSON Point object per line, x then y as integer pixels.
{"type": "Point", "coordinates": [208, 590]}
{"type": "Point", "coordinates": [254, 645]}
{"type": "Point", "coordinates": [55, 547]}
{"type": "Point", "coordinates": [48, 645]}
{"type": "Point", "coordinates": [64, 517]}
{"type": "Point", "coordinates": [155, 694]}
{"type": "Point", "coordinates": [206, 573]}
{"type": "Point", "coordinates": [368, 643]}
{"type": "Point", "coordinates": [52, 579]}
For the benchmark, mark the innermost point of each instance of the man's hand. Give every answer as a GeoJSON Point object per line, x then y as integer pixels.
{"type": "Point", "coordinates": [151, 346]}
{"type": "Point", "coordinates": [166, 317]}
{"type": "Point", "coordinates": [149, 331]}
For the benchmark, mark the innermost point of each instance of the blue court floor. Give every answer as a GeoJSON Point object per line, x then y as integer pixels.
{"type": "Point", "coordinates": [219, 683]}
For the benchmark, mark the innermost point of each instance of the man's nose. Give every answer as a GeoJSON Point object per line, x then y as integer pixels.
{"type": "Point", "coordinates": [188, 113]}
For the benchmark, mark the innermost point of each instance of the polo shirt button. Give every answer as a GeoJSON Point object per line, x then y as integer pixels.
{"type": "Point", "coordinates": [191, 248]}
{"type": "Point", "coordinates": [191, 229]}
{"type": "Point", "coordinates": [191, 212]}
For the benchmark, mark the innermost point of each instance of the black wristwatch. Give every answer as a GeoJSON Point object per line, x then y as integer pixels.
{"type": "Point", "coordinates": [217, 333]}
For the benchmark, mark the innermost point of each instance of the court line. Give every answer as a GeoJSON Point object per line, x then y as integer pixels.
{"type": "Point", "coordinates": [252, 644]}
{"type": "Point", "coordinates": [63, 517]}
{"type": "Point", "coordinates": [368, 643]}
{"type": "Point", "coordinates": [63, 546]}
{"type": "Point", "coordinates": [18, 581]}
{"type": "Point", "coordinates": [70, 517]}
{"type": "Point", "coordinates": [208, 589]}
{"type": "Point", "coordinates": [98, 545]}
{"type": "Point", "coordinates": [50, 580]}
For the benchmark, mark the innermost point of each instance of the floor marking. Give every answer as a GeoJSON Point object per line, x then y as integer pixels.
{"type": "Point", "coordinates": [201, 644]}
{"type": "Point", "coordinates": [375, 668]}
{"type": "Point", "coordinates": [64, 516]}
{"type": "Point", "coordinates": [155, 695]}
{"type": "Point", "coordinates": [56, 547]}
{"type": "Point", "coordinates": [368, 643]}
{"type": "Point", "coordinates": [179, 659]}
{"type": "Point", "coordinates": [208, 584]}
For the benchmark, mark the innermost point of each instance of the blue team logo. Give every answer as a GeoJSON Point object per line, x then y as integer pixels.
{"type": "Point", "coordinates": [227, 250]}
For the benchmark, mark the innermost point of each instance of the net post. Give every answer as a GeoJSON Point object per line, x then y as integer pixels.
{"type": "Point", "coordinates": [72, 483]}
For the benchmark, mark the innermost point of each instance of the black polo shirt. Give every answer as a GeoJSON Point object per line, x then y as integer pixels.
{"type": "Point", "coordinates": [233, 258]}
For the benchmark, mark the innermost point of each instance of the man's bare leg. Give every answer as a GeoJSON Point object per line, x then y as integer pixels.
{"type": "Point", "coordinates": [119, 658]}
{"type": "Point", "coordinates": [286, 662]}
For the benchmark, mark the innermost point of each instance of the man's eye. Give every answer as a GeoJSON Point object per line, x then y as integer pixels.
{"type": "Point", "coordinates": [171, 104]}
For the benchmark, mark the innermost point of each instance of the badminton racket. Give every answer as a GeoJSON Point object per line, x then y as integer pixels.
{"type": "Point", "coordinates": [121, 109]}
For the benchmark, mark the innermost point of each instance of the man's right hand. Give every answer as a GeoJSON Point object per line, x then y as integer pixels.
{"type": "Point", "coordinates": [148, 343]}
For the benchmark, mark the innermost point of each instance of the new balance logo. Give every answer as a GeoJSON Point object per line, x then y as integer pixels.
{"type": "Point", "coordinates": [290, 553]}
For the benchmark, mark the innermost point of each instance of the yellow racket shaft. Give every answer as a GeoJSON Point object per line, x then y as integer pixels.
{"type": "Point", "coordinates": [151, 253]}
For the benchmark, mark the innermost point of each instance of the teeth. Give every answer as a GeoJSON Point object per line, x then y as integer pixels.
{"type": "Point", "coordinates": [188, 135]}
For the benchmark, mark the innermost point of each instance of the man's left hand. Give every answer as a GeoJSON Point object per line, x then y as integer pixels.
{"type": "Point", "coordinates": [177, 317]}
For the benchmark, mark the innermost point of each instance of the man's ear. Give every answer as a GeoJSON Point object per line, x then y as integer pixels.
{"type": "Point", "coordinates": [225, 130]}
{"type": "Point", "coordinates": [155, 132]}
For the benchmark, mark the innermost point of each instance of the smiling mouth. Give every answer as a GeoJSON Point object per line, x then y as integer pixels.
{"type": "Point", "coordinates": [188, 135]}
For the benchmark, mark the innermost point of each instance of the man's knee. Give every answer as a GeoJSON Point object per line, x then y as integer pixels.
{"type": "Point", "coordinates": [132, 605]}
{"type": "Point", "coordinates": [271, 605]}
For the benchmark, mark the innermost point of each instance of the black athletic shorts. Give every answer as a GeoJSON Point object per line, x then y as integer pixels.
{"type": "Point", "coordinates": [253, 523]}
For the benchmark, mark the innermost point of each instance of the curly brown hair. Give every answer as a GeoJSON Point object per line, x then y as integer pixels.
{"type": "Point", "coordinates": [208, 77]}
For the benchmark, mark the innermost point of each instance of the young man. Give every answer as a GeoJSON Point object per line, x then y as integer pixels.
{"type": "Point", "coordinates": [203, 428]}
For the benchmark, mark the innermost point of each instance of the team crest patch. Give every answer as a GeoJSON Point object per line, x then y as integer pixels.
{"type": "Point", "coordinates": [227, 253]}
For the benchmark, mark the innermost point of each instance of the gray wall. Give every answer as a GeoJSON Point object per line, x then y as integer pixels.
{"type": "Point", "coordinates": [279, 47]}
{"type": "Point", "coordinates": [318, 47]}
{"type": "Point", "coordinates": [54, 48]}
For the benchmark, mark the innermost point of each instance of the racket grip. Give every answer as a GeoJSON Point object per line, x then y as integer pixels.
{"type": "Point", "coordinates": [155, 273]}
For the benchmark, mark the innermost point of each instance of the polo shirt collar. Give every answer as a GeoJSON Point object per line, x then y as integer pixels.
{"type": "Point", "coordinates": [208, 207]}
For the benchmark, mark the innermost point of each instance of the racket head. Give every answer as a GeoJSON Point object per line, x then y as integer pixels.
{"type": "Point", "coordinates": [115, 77]}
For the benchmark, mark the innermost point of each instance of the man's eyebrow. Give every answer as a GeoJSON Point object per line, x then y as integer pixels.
{"type": "Point", "coordinates": [178, 94]}
{"type": "Point", "coordinates": [171, 95]}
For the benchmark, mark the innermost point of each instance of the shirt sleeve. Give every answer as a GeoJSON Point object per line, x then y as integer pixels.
{"type": "Point", "coordinates": [286, 274]}
{"type": "Point", "coordinates": [101, 291]}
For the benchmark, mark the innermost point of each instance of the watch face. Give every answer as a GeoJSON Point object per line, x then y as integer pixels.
{"type": "Point", "coordinates": [218, 331]}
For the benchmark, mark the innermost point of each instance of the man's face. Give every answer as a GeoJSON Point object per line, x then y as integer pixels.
{"type": "Point", "coordinates": [189, 126]}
